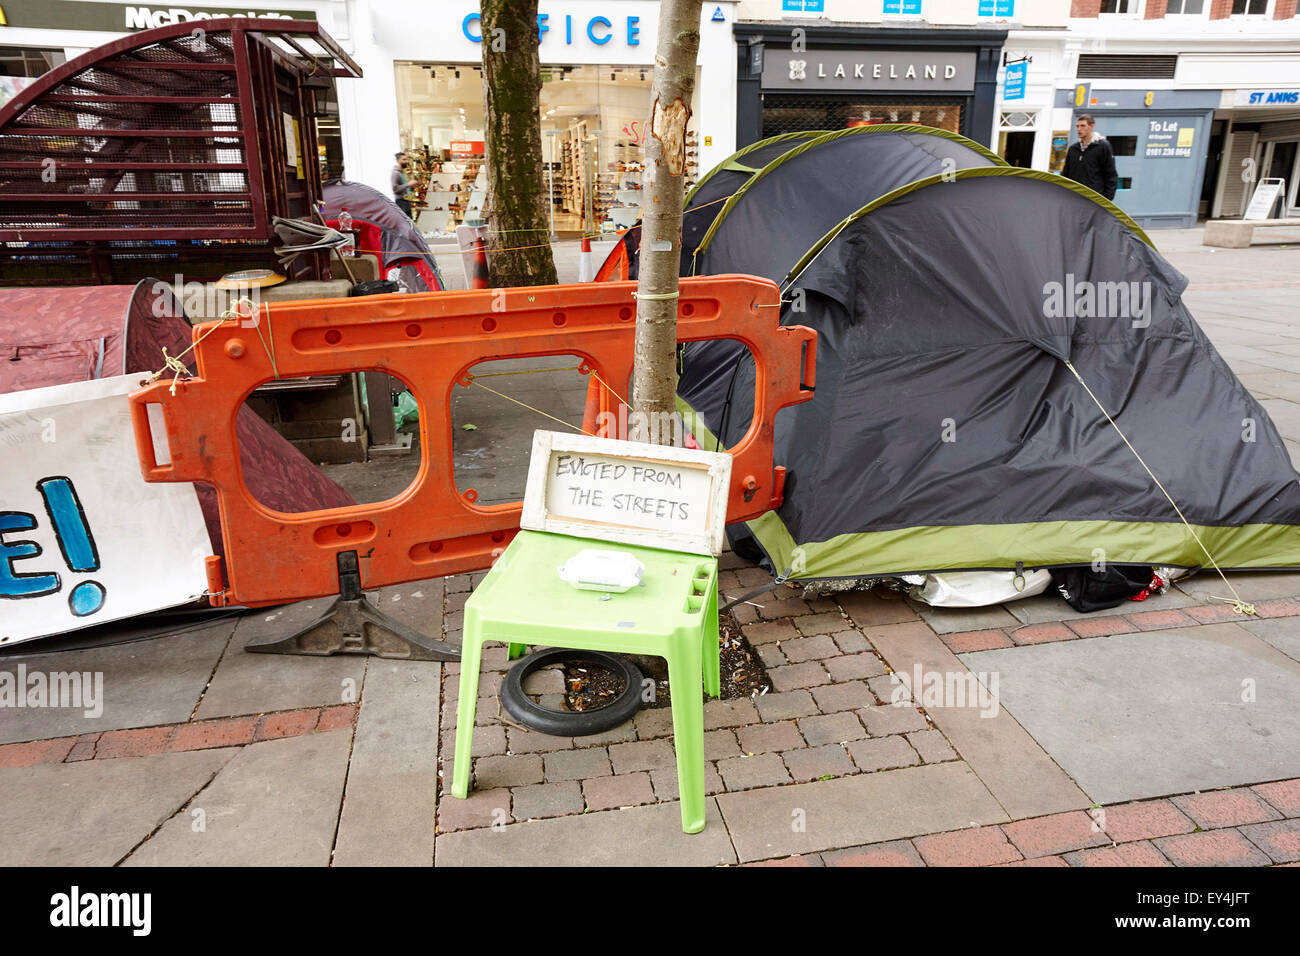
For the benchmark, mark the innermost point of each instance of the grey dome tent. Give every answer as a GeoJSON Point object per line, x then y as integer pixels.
{"type": "Point", "coordinates": [977, 331]}
{"type": "Point", "coordinates": [814, 176]}
{"type": "Point", "coordinates": [704, 200]}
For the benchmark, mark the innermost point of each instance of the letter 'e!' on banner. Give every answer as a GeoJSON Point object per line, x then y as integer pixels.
{"type": "Point", "coordinates": [83, 537]}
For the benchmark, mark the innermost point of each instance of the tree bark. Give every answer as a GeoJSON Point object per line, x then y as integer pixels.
{"type": "Point", "coordinates": [517, 197]}
{"type": "Point", "coordinates": [654, 389]}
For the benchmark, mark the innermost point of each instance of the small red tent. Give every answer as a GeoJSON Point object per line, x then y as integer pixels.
{"type": "Point", "coordinates": [53, 336]}
{"type": "Point", "coordinates": [385, 230]}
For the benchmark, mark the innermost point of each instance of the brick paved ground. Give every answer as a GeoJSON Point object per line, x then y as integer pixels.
{"type": "Point", "coordinates": [837, 710]}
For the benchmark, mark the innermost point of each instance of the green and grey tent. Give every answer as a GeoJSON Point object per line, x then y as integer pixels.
{"type": "Point", "coordinates": [996, 347]}
{"type": "Point", "coordinates": [819, 176]}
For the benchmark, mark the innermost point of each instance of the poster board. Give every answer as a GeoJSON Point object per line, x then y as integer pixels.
{"type": "Point", "coordinates": [290, 140]}
{"type": "Point", "coordinates": [1266, 193]}
{"type": "Point", "coordinates": [83, 537]}
{"type": "Point", "coordinates": [656, 496]}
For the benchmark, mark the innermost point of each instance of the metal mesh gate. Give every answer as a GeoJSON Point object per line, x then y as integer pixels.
{"type": "Point", "coordinates": [794, 112]}
{"type": "Point", "coordinates": [176, 142]}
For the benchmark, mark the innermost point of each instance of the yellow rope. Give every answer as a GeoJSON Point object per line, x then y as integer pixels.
{"type": "Point", "coordinates": [607, 388]}
{"type": "Point", "coordinates": [1238, 605]}
{"type": "Point", "coordinates": [529, 407]}
{"type": "Point", "coordinates": [530, 371]}
{"type": "Point", "coordinates": [174, 362]}
{"type": "Point", "coordinates": [270, 331]}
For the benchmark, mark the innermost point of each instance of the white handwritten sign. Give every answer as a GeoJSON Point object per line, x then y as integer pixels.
{"type": "Point", "coordinates": [653, 495]}
{"type": "Point", "coordinates": [83, 538]}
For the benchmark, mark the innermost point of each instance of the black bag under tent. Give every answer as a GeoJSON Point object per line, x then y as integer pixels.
{"type": "Point", "coordinates": [973, 325]}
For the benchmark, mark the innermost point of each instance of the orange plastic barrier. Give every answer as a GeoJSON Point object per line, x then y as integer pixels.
{"type": "Point", "coordinates": [431, 341]}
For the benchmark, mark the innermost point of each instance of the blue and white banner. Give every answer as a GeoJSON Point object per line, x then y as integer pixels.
{"type": "Point", "coordinates": [83, 537]}
{"type": "Point", "coordinates": [1013, 84]}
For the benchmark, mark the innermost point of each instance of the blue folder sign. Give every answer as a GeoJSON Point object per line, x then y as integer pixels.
{"type": "Point", "coordinates": [1013, 87]}
{"type": "Point", "coordinates": [997, 8]}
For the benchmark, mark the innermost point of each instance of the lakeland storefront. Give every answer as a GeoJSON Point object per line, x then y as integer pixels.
{"type": "Point", "coordinates": [831, 78]}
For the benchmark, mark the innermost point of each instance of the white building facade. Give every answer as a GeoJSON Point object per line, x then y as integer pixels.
{"type": "Point", "coordinates": [1200, 98]}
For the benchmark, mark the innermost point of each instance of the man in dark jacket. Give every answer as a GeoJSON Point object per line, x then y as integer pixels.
{"type": "Point", "coordinates": [1091, 161]}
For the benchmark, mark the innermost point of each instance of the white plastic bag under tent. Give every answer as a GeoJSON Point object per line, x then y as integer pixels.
{"type": "Point", "coordinates": [977, 588]}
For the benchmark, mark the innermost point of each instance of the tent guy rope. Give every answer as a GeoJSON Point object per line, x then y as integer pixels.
{"type": "Point", "coordinates": [1238, 605]}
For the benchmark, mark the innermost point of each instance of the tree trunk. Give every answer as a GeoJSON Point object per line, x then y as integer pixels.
{"type": "Point", "coordinates": [517, 198]}
{"type": "Point", "coordinates": [654, 378]}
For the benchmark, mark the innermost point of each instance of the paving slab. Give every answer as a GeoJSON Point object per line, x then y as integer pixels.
{"type": "Point", "coordinates": [851, 811]}
{"type": "Point", "coordinates": [1132, 716]}
{"type": "Point", "coordinates": [1272, 384]}
{"type": "Point", "coordinates": [92, 813]}
{"type": "Point", "coordinates": [1282, 632]}
{"type": "Point", "coordinates": [1206, 587]}
{"type": "Point", "coordinates": [1050, 606]}
{"type": "Point", "coordinates": [154, 681]}
{"type": "Point", "coordinates": [1019, 773]}
{"type": "Point", "coordinates": [417, 604]}
{"type": "Point", "coordinates": [954, 620]}
{"type": "Point", "coordinates": [641, 836]}
{"type": "Point", "coordinates": [1285, 415]}
{"type": "Point", "coordinates": [275, 804]}
{"type": "Point", "coordinates": [247, 683]}
{"type": "Point", "coordinates": [390, 800]}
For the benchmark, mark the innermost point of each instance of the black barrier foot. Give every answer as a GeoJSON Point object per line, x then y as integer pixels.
{"type": "Point", "coordinates": [352, 625]}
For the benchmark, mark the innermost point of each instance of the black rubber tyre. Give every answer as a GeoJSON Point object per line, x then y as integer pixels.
{"type": "Point", "coordinates": [562, 723]}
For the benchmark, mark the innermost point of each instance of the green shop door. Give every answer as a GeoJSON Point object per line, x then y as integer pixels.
{"type": "Point", "coordinates": [1159, 158]}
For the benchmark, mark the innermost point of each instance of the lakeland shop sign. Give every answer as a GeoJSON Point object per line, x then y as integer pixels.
{"type": "Point", "coordinates": [868, 70]}
{"type": "Point", "coordinates": [120, 17]}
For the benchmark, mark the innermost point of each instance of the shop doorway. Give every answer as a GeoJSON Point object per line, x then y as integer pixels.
{"type": "Point", "coordinates": [1210, 180]}
{"type": "Point", "coordinates": [1280, 163]}
{"type": "Point", "coordinates": [1017, 148]}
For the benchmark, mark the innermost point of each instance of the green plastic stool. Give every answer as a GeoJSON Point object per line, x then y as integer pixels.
{"type": "Point", "coordinates": [673, 614]}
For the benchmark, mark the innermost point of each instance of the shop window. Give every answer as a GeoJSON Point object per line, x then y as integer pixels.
{"type": "Point", "coordinates": [19, 68]}
{"type": "Point", "coordinates": [1125, 182]}
{"type": "Point", "coordinates": [1249, 8]}
{"type": "Point", "coordinates": [795, 112]}
{"type": "Point", "coordinates": [593, 131]}
{"type": "Point", "coordinates": [1123, 145]}
{"type": "Point", "coordinates": [16, 61]}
